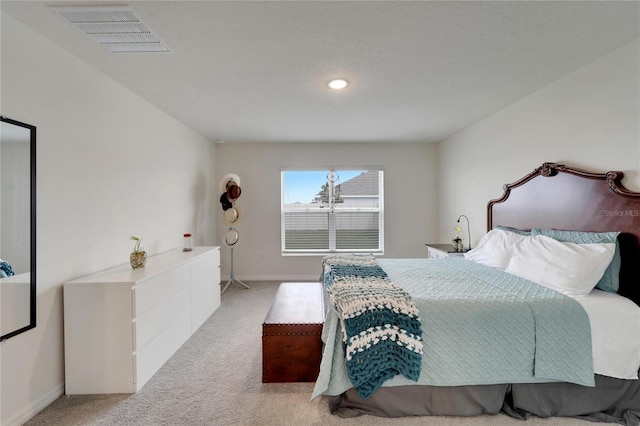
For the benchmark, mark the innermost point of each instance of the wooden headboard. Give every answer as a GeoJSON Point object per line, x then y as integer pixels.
{"type": "Point", "coordinates": [554, 196]}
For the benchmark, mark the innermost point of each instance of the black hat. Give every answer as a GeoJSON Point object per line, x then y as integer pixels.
{"type": "Point", "coordinates": [226, 204]}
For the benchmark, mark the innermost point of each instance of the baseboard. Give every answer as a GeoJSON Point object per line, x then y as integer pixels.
{"type": "Point", "coordinates": [31, 410]}
{"type": "Point", "coordinates": [281, 278]}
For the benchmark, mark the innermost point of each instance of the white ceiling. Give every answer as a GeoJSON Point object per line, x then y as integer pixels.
{"type": "Point", "coordinates": [244, 71]}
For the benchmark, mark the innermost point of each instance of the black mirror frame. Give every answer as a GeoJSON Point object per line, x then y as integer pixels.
{"type": "Point", "coordinates": [32, 292]}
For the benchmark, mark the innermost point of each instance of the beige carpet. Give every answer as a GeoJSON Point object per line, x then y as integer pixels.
{"type": "Point", "coordinates": [215, 379]}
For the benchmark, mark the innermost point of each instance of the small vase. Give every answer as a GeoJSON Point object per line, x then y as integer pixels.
{"type": "Point", "coordinates": [138, 259]}
{"type": "Point", "coordinates": [457, 244]}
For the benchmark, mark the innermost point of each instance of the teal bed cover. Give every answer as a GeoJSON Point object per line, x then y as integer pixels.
{"type": "Point", "coordinates": [480, 326]}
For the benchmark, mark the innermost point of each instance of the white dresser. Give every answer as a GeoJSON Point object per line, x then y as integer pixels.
{"type": "Point", "coordinates": [121, 325]}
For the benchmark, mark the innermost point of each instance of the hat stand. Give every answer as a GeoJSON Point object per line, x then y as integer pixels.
{"type": "Point", "coordinates": [223, 188]}
{"type": "Point", "coordinates": [233, 276]}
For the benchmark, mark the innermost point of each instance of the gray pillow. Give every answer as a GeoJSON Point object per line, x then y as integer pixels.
{"type": "Point", "coordinates": [514, 230]}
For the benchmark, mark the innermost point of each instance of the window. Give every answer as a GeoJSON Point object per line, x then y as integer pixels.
{"type": "Point", "coordinates": [332, 211]}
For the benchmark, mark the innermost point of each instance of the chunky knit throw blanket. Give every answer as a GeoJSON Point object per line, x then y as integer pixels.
{"type": "Point", "coordinates": [6, 268]}
{"type": "Point", "coordinates": [381, 328]}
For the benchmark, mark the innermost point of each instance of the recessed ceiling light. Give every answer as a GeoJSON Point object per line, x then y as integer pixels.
{"type": "Point", "coordinates": [338, 83]}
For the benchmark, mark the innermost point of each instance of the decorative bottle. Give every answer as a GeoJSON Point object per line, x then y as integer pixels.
{"type": "Point", "coordinates": [187, 242]}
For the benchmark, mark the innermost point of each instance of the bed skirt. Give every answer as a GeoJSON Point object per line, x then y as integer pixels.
{"type": "Point", "coordinates": [612, 400]}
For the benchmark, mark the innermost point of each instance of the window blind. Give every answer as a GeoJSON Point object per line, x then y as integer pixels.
{"type": "Point", "coordinates": [349, 220]}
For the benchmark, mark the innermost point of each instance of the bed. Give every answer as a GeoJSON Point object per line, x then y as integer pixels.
{"type": "Point", "coordinates": [588, 372]}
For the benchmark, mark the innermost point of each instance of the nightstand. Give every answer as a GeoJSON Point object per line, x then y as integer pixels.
{"type": "Point", "coordinates": [435, 251]}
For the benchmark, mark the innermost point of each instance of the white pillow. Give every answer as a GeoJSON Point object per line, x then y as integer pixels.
{"type": "Point", "coordinates": [571, 269]}
{"type": "Point", "coordinates": [495, 248]}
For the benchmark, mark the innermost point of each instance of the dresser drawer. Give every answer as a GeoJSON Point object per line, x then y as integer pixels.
{"type": "Point", "coordinates": [154, 321]}
{"type": "Point", "coordinates": [151, 292]}
{"type": "Point", "coordinates": [203, 269]}
{"type": "Point", "coordinates": [205, 299]}
{"type": "Point", "coordinates": [205, 289]}
{"type": "Point", "coordinates": [150, 358]}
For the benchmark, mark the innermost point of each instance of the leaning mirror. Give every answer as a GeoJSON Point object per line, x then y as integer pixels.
{"type": "Point", "coordinates": [17, 227]}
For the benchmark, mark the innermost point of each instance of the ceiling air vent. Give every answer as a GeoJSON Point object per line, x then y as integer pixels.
{"type": "Point", "coordinates": [117, 29]}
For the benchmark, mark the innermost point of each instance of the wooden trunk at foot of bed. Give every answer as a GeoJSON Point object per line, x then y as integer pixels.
{"type": "Point", "coordinates": [292, 334]}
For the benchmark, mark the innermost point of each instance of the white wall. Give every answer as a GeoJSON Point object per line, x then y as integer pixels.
{"type": "Point", "coordinates": [109, 165]}
{"type": "Point", "coordinates": [589, 119]}
{"type": "Point", "coordinates": [410, 172]}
